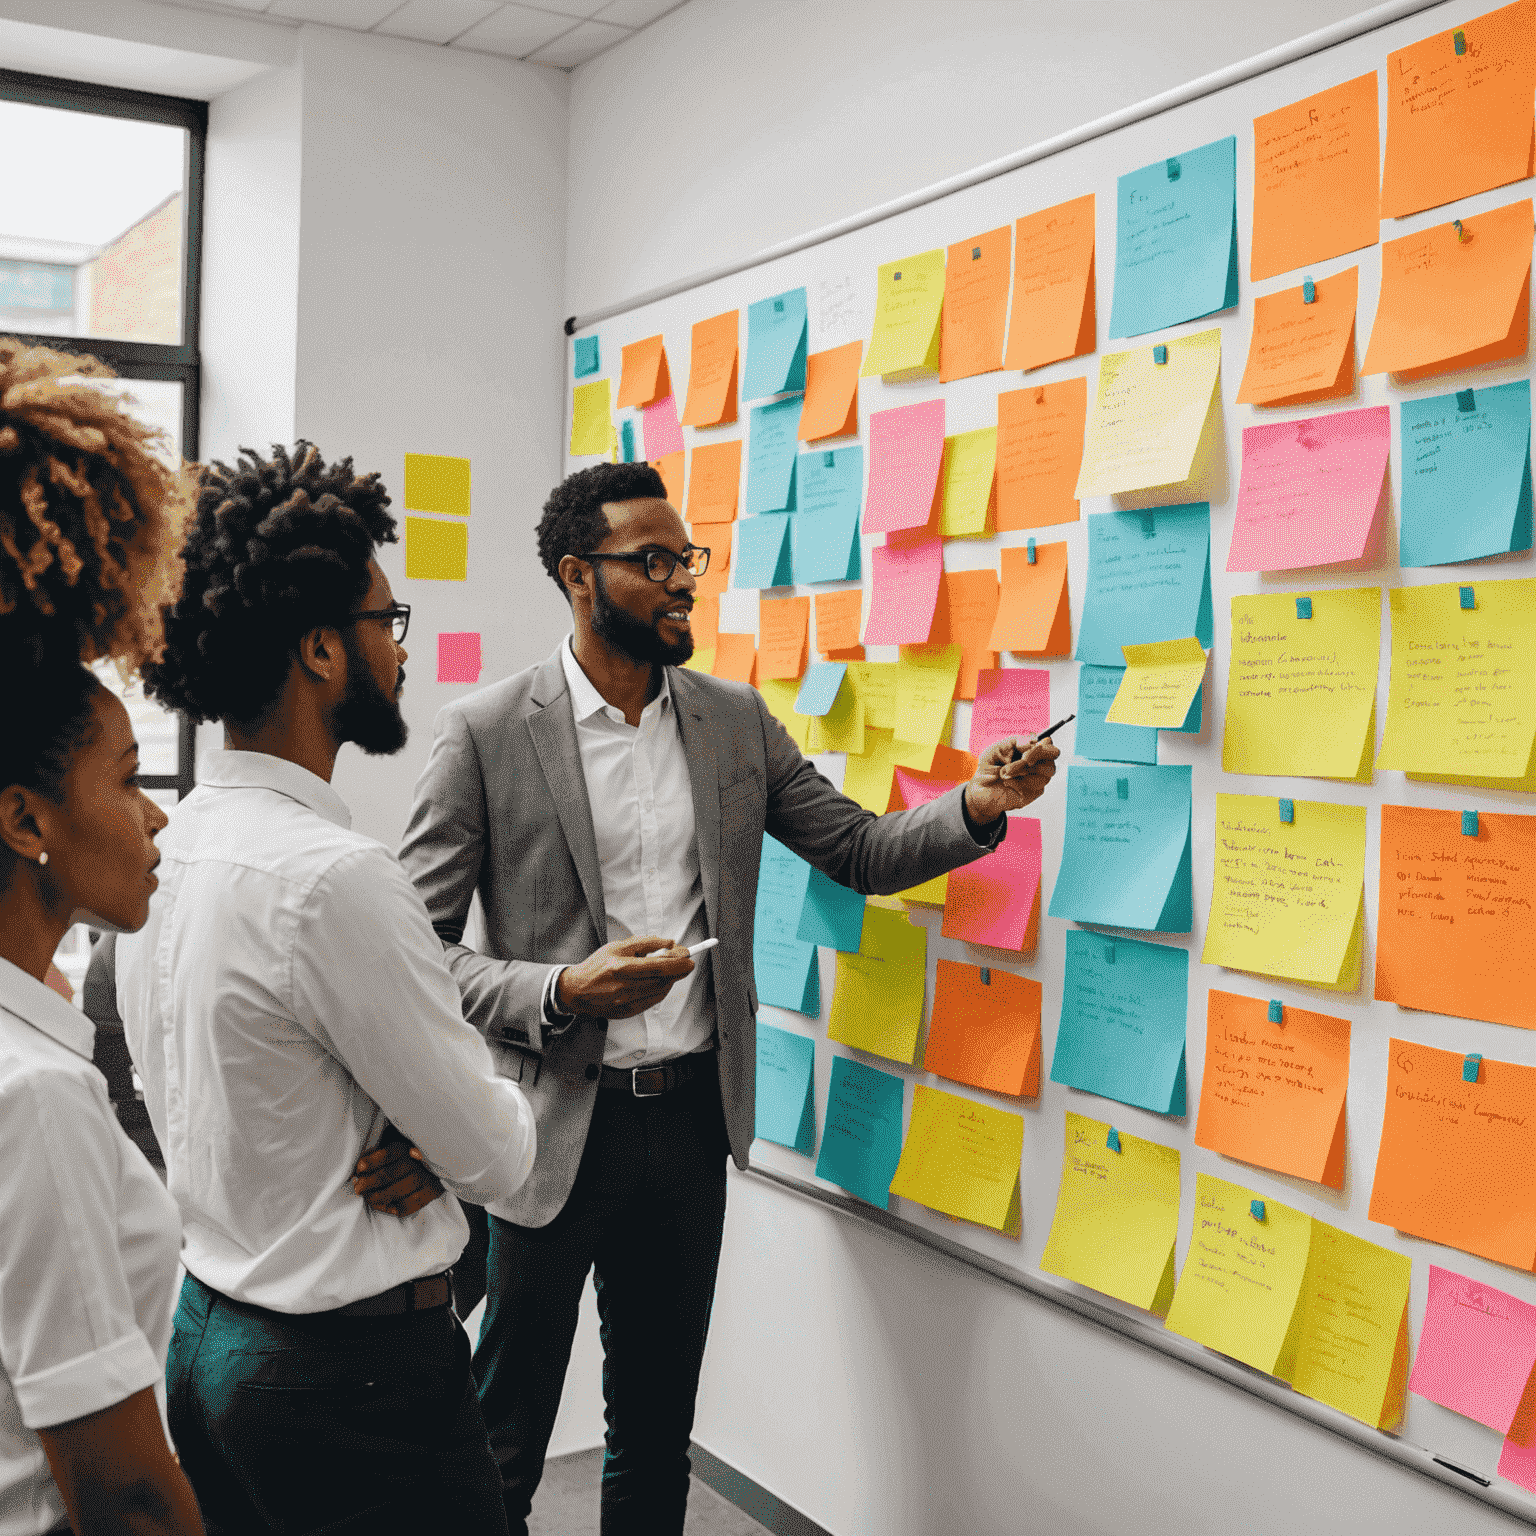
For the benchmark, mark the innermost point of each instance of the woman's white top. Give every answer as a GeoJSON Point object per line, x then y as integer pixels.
{"type": "Point", "coordinates": [89, 1239]}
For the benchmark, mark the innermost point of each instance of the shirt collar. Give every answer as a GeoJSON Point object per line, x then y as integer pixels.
{"type": "Point", "coordinates": [44, 1009]}
{"type": "Point", "coordinates": [258, 770]}
{"type": "Point", "coordinates": [586, 701]}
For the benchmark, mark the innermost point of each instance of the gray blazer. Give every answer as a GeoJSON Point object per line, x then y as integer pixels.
{"type": "Point", "coordinates": [501, 807]}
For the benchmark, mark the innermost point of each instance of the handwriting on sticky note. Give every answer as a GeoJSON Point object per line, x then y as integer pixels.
{"type": "Point", "coordinates": [712, 371]}
{"type": "Point", "coordinates": [831, 407]}
{"type": "Point", "coordinates": [1302, 351]}
{"type": "Point", "coordinates": [1477, 1349]}
{"type": "Point", "coordinates": [962, 1157]}
{"type": "Point", "coordinates": [909, 296]}
{"type": "Point", "coordinates": [1054, 314]}
{"type": "Point", "coordinates": [975, 305]}
{"type": "Point", "coordinates": [1040, 453]}
{"type": "Point", "coordinates": [861, 1142]}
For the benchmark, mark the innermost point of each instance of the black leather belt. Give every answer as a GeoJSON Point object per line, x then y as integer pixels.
{"type": "Point", "coordinates": [409, 1296]}
{"type": "Point", "coordinates": [652, 1082]}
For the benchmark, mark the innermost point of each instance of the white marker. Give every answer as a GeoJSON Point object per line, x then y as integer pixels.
{"type": "Point", "coordinates": [695, 950]}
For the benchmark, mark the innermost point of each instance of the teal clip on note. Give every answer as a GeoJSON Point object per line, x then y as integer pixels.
{"type": "Point", "coordinates": [1465, 400]}
{"type": "Point", "coordinates": [986, 976]}
{"type": "Point", "coordinates": [975, 253]}
{"type": "Point", "coordinates": [627, 436]}
{"type": "Point", "coordinates": [1109, 954]}
{"type": "Point", "coordinates": [1112, 1141]}
{"type": "Point", "coordinates": [587, 358]}
{"type": "Point", "coordinates": [1461, 234]}
{"type": "Point", "coordinates": [1276, 1011]}
{"type": "Point", "coordinates": [829, 460]}
{"type": "Point", "coordinates": [1468, 598]}
{"type": "Point", "coordinates": [1256, 1209]}
{"type": "Point", "coordinates": [1029, 550]}
{"type": "Point", "coordinates": [1471, 1067]}
{"type": "Point", "coordinates": [1288, 811]}
{"type": "Point", "coordinates": [1173, 170]}
{"type": "Point", "coordinates": [1469, 823]}
{"type": "Point", "coordinates": [1303, 607]}
{"type": "Point", "coordinates": [895, 277]}
{"type": "Point", "coordinates": [1148, 524]}
{"type": "Point", "coordinates": [1459, 42]}
{"type": "Point", "coordinates": [1159, 354]}
{"type": "Point", "coordinates": [1123, 788]}
{"type": "Point", "coordinates": [1308, 291]}
{"type": "Point", "coordinates": [778, 306]}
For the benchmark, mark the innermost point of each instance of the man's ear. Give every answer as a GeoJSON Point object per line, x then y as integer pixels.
{"type": "Point", "coordinates": [573, 574]}
{"type": "Point", "coordinates": [320, 654]}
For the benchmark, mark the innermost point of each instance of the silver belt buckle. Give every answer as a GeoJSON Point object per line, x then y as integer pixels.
{"type": "Point", "coordinates": [634, 1082]}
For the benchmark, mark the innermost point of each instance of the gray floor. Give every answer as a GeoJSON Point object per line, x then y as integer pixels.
{"type": "Point", "coordinates": [566, 1503]}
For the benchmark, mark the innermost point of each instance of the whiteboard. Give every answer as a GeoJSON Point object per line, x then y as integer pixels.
{"type": "Point", "coordinates": [838, 273]}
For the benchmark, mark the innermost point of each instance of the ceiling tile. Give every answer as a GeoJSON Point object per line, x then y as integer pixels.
{"type": "Point", "coordinates": [225, 6]}
{"type": "Point", "coordinates": [356, 15]}
{"type": "Point", "coordinates": [581, 8]}
{"type": "Point", "coordinates": [514, 30]}
{"type": "Point", "coordinates": [436, 21]}
{"type": "Point", "coordinates": [580, 44]}
{"type": "Point", "coordinates": [636, 13]}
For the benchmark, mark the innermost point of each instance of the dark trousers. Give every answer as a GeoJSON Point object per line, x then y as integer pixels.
{"type": "Point", "coordinates": [328, 1424]}
{"type": "Point", "coordinates": [647, 1209]}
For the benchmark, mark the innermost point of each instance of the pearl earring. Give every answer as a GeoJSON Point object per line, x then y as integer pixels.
{"type": "Point", "coordinates": [42, 858]}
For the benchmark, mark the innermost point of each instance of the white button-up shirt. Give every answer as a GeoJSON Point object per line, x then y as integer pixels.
{"type": "Point", "coordinates": [642, 814]}
{"type": "Point", "coordinates": [88, 1241]}
{"type": "Point", "coordinates": [287, 997]}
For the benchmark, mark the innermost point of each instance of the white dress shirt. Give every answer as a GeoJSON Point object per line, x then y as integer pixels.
{"type": "Point", "coordinates": [287, 997]}
{"type": "Point", "coordinates": [88, 1241]}
{"type": "Point", "coordinates": [642, 814]}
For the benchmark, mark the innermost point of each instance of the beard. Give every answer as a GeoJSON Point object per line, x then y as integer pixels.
{"type": "Point", "coordinates": [639, 641]}
{"type": "Point", "coordinates": [367, 716]}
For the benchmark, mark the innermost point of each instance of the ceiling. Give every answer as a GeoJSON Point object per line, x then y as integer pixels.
{"type": "Point", "coordinates": [562, 33]}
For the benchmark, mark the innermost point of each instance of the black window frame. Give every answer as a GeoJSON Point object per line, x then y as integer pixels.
{"type": "Point", "coordinates": [151, 361]}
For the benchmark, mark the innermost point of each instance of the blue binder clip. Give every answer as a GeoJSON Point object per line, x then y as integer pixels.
{"type": "Point", "coordinates": [1465, 400]}
{"type": "Point", "coordinates": [1159, 354]}
{"type": "Point", "coordinates": [1471, 1067]}
{"type": "Point", "coordinates": [1029, 551]}
{"type": "Point", "coordinates": [1468, 598]}
{"type": "Point", "coordinates": [1469, 823]}
{"type": "Point", "coordinates": [1173, 170]}
{"type": "Point", "coordinates": [1303, 607]}
{"type": "Point", "coordinates": [1459, 42]}
{"type": "Point", "coordinates": [1276, 1011]}
{"type": "Point", "coordinates": [1308, 292]}
{"type": "Point", "coordinates": [1288, 811]}
{"type": "Point", "coordinates": [1256, 1209]}
{"type": "Point", "coordinates": [1112, 1141]}
{"type": "Point", "coordinates": [986, 977]}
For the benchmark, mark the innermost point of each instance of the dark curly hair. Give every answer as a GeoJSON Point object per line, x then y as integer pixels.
{"type": "Point", "coordinates": [574, 523]}
{"type": "Point", "coordinates": [277, 547]}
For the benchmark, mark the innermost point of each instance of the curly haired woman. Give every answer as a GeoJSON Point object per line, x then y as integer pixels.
{"type": "Point", "coordinates": [88, 1236]}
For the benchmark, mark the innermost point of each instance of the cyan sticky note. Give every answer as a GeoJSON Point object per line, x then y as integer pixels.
{"type": "Point", "coordinates": [832, 915]}
{"type": "Point", "coordinates": [762, 551]}
{"type": "Point", "coordinates": [1112, 1141]}
{"type": "Point", "coordinates": [818, 688]}
{"type": "Point", "coordinates": [627, 439]}
{"type": "Point", "coordinates": [1176, 241]}
{"type": "Point", "coordinates": [1256, 1209]}
{"type": "Point", "coordinates": [1471, 1067]}
{"type": "Point", "coordinates": [1126, 863]}
{"type": "Point", "coordinates": [1143, 589]}
{"type": "Point", "coordinates": [786, 1100]}
{"type": "Point", "coordinates": [1276, 1011]}
{"type": "Point", "coordinates": [829, 489]}
{"type": "Point", "coordinates": [783, 965]}
{"type": "Point", "coordinates": [1095, 737]}
{"type": "Point", "coordinates": [861, 1138]}
{"type": "Point", "coordinates": [771, 455]}
{"type": "Point", "coordinates": [588, 359]}
{"type": "Point", "coordinates": [1466, 476]}
{"type": "Point", "coordinates": [776, 342]}
{"type": "Point", "coordinates": [1122, 1025]}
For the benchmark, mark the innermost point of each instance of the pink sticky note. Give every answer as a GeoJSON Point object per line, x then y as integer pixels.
{"type": "Point", "coordinates": [906, 447]}
{"type": "Point", "coordinates": [1010, 701]}
{"type": "Point", "coordinates": [662, 433]}
{"type": "Point", "coordinates": [1309, 490]}
{"type": "Point", "coordinates": [993, 900]}
{"type": "Point", "coordinates": [458, 658]}
{"type": "Point", "coordinates": [905, 592]}
{"type": "Point", "coordinates": [1518, 1463]}
{"type": "Point", "coordinates": [1476, 1350]}
{"type": "Point", "coordinates": [918, 789]}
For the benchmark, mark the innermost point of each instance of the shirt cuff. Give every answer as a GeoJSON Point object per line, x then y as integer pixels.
{"type": "Point", "coordinates": [554, 1017]}
{"type": "Point", "coordinates": [988, 836]}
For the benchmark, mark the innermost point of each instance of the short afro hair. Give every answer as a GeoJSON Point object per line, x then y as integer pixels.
{"type": "Point", "coordinates": [573, 522]}
{"type": "Point", "coordinates": [278, 547]}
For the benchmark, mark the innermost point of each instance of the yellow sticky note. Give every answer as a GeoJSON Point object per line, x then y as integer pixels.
{"type": "Point", "coordinates": [909, 299]}
{"type": "Point", "coordinates": [867, 778]}
{"type": "Point", "coordinates": [1461, 700]}
{"type": "Point", "coordinates": [779, 694]}
{"type": "Point", "coordinates": [592, 419]}
{"type": "Point", "coordinates": [1289, 897]}
{"type": "Point", "coordinates": [962, 1157]}
{"type": "Point", "coordinates": [1243, 1275]}
{"type": "Point", "coordinates": [1301, 692]}
{"type": "Point", "coordinates": [966, 480]}
{"type": "Point", "coordinates": [875, 683]}
{"type": "Point", "coordinates": [841, 729]}
{"type": "Point", "coordinates": [878, 1002]}
{"type": "Point", "coordinates": [1117, 1215]}
{"type": "Point", "coordinates": [925, 692]}
{"type": "Point", "coordinates": [1148, 417]}
{"type": "Point", "coordinates": [435, 482]}
{"type": "Point", "coordinates": [436, 551]}
{"type": "Point", "coordinates": [1159, 685]}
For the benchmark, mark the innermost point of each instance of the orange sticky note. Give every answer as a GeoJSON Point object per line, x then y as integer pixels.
{"type": "Point", "coordinates": [1054, 314]}
{"type": "Point", "coordinates": [1454, 928]}
{"type": "Point", "coordinates": [1040, 453]}
{"type": "Point", "coordinates": [1273, 1094]}
{"type": "Point", "coordinates": [645, 378]}
{"type": "Point", "coordinates": [716, 483]}
{"type": "Point", "coordinates": [966, 613]}
{"type": "Point", "coordinates": [736, 658]}
{"type": "Point", "coordinates": [670, 468]}
{"type": "Point", "coordinates": [831, 404]}
{"type": "Point", "coordinates": [782, 624]}
{"type": "Point", "coordinates": [704, 621]}
{"type": "Point", "coordinates": [917, 786]}
{"type": "Point", "coordinates": [1449, 303]}
{"type": "Point", "coordinates": [1033, 616]}
{"type": "Point", "coordinates": [1302, 352]}
{"type": "Point", "coordinates": [712, 371]}
{"type": "Point", "coordinates": [985, 1032]}
{"type": "Point", "coordinates": [1455, 1158]}
{"type": "Point", "coordinates": [1460, 122]}
{"type": "Point", "coordinates": [839, 617]}
{"type": "Point", "coordinates": [716, 538]}
{"type": "Point", "coordinates": [1314, 178]}
{"type": "Point", "coordinates": [975, 305]}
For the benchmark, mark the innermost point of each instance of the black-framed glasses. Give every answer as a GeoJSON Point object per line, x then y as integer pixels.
{"type": "Point", "coordinates": [660, 563]}
{"type": "Point", "coordinates": [398, 616]}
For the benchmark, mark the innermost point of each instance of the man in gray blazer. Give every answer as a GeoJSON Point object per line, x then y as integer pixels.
{"type": "Point", "coordinates": [609, 807]}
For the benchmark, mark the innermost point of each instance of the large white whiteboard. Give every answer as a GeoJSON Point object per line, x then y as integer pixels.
{"type": "Point", "coordinates": [839, 276]}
